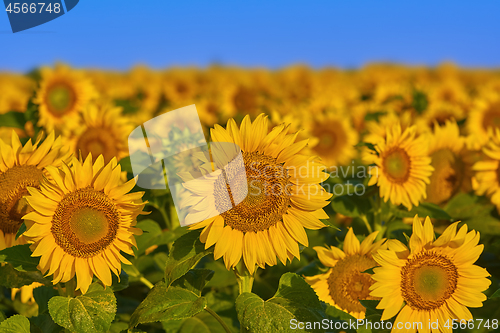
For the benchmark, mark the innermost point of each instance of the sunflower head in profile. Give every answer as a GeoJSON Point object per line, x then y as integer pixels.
{"type": "Point", "coordinates": [345, 283]}
{"type": "Point", "coordinates": [432, 280]}
{"type": "Point", "coordinates": [22, 167]}
{"type": "Point", "coordinates": [104, 132]}
{"type": "Point", "coordinates": [82, 218]}
{"type": "Point", "coordinates": [62, 94]}
{"type": "Point", "coordinates": [335, 138]}
{"type": "Point", "coordinates": [446, 149]}
{"type": "Point", "coordinates": [402, 167]}
{"type": "Point", "coordinates": [486, 180]}
{"type": "Point", "coordinates": [284, 197]}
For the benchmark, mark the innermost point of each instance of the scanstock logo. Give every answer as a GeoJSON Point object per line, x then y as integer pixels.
{"type": "Point", "coordinates": [26, 14]}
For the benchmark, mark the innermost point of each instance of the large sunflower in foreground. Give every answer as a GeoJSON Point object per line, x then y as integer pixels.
{"type": "Point", "coordinates": [81, 221]}
{"type": "Point", "coordinates": [284, 197]}
{"type": "Point", "coordinates": [433, 280]}
{"type": "Point", "coordinates": [21, 167]}
{"type": "Point", "coordinates": [62, 93]}
{"type": "Point", "coordinates": [403, 167]}
{"type": "Point", "coordinates": [345, 283]}
{"type": "Point", "coordinates": [104, 132]}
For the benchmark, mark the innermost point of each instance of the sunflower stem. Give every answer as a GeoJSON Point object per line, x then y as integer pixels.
{"type": "Point", "coordinates": [219, 319]}
{"type": "Point", "coordinates": [244, 278]}
{"type": "Point", "coordinates": [146, 282]}
{"type": "Point", "coordinates": [367, 224]}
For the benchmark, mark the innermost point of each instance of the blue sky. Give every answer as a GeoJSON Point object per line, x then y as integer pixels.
{"type": "Point", "coordinates": [114, 34]}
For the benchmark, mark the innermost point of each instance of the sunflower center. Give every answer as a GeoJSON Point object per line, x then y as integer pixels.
{"type": "Point", "coordinates": [491, 117]}
{"type": "Point", "coordinates": [397, 165]}
{"type": "Point", "coordinates": [428, 280]}
{"type": "Point", "coordinates": [13, 184]}
{"type": "Point", "coordinates": [447, 176]}
{"type": "Point", "coordinates": [267, 199]}
{"type": "Point", "coordinates": [98, 141]}
{"type": "Point", "coordinates": [331, 138]}
{"type": "Point", "coordinates": [348, 284]}
{"type": "Point", "coordinates": [85, 222]}
{"type": "Point", "coordinates": [60, 99]}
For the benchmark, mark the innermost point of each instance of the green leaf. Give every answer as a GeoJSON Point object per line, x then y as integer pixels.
{"type": "Point", "coordinates": [15, 324]}
{"type": "Point", "coordinates": [12, 278]}
{"type": "Point", "coordinates": [126, 164]}
{"type": "Point", "coordinates": [465, 205]}
{"type": "Point", "coordinates": [371, 307]}
{"type": "Point", "coordinates": [12, 119]}
{"type": "Point", "coordinates": [21, 230]}
{"type": "Point", "coordinates": [92, 312]}
{"type": "Point", "coordinates": [423, 210]}
{"type": "Point", "coordinates": [420, 101]}
{"type": "Point", "coordinates": [122, 284]}
{"type": "Point", "coordinates": [167, 303]}
{"type": "Point", "coordinates": [42, 296]}
{"type": "Point", "coordinates": [20, 257]}
{"type": "Point", "coordinates": [194, 280]}
{"type": "Point", "coordinates": [44, 324]}
{"type": "Point", "coordinates": [496, 294]}
{"type": "Point", "coordinates": [185, 254]}
{"type": "Point", "coordinates": [487, 225]}
{"type": "Point", "coordinates": [295, 299]}
{"type": "Point", "coordinates": [152, 235]}
{"type": "Point", "coordinates": [337, 313]}
{"type": "Point", "coordinates": [352, 206]}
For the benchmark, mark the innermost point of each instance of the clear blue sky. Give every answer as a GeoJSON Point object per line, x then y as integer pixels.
{"type": "Point", "coordinates": [116, 34]}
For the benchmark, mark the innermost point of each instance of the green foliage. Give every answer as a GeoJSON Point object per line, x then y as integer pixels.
{"type": "Point", "coordinates": [12, 278]}
{"type": "Point", "coordinates": [15, 324]}
{"type": "Point", "coordinates": [12, 119]}
{"type": "Point", "coordinates": [20, 257]}
{"type": "Point", "coordinates": [352, 206]}
{"type": "Point", "coordinates": [180, 300]}
{"type": "Point", "coordinates": [423, 210]}
{"type": "Point", "coordinates": [496, 294]}
{"type": "Point", "coordinates": [420, 101]}
{"type": "Point", "coordinates": [92, 312]}
{"type": "Point", "coordinates": [294, 299]}
{"type": "Point", "coordinates": [185, 254]}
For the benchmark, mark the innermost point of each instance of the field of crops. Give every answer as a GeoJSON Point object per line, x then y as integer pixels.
{"type": "Point", "coordinates": [372, 201]}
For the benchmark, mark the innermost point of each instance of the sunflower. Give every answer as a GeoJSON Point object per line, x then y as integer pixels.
{"type": "Point", "coordinates": [345, 283]}
{"type": "Point", "coordinates": [433, 280]}
{"type": "Point", "coordinates": [284, 197]}
{"type": "Point", "coordinates": [438, 113]}
{"type": "Point", "coordinates": [62, 93]}
{"type": "Point", "coordinates": [402, 167]}
{"type": "Point", "coordinates": [81, 221]}
{"type": "Point", "coordinates": [335, 137]}
{"type": "Point", "coordinates": [104, 132]}
{"type": "Point", "coordinates": [446, 149]}
{"type": "Point", "coordinates": [484, 117]}
{"type": "Point", "coordinates": [26, 292]}
{"type": "Point", "coordinates": [486, 180]}
{"type": "Point", "coordinates": [21, 167]}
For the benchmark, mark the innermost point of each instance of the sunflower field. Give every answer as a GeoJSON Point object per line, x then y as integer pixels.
{"type": "Point", "coordinates": [387, 218]}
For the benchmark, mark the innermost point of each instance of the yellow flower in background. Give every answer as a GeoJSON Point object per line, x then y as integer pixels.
{"type": "Point", "coordinates": [438, 113]}
{"type": "Point", "coordinates": [22, 167]}
{"type": "Point", "coordinates": [402, 167]}
{"type": "Point", "coordinates": [377, 130]}
{"type": "Point", "coordinates": [450, 167]}
{"type": "Point", "coordinates": [81, 221]}
{"type": "Point", "coordinates": [26, 292]}
{"type": "Point", "coordinates": [104, 132]}
{"type": "Point", "coordinates": [345, 283]}
{"type": "Point", "coordinates": [484, 118]}
{"type": "Point", "coordinates": [432, 280]}
{"type": "Point", "coordinates": [62, 94]}
{"type": "Point", "coordinates": [268, 223]}
{"type": "Point", "coordinates": [486, 180]}
{"type": "Point", "coordinates": [335, 138]}
{"type": "Point", "coordinates": [16, 92]}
